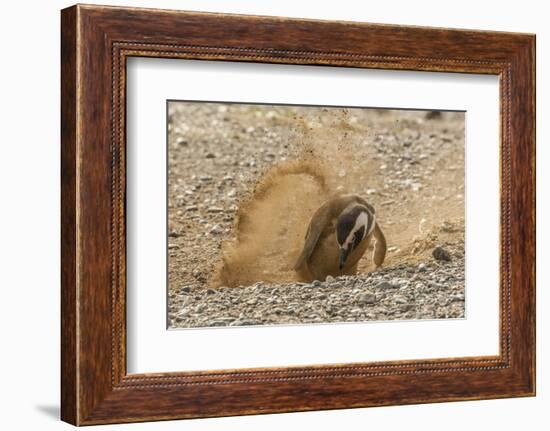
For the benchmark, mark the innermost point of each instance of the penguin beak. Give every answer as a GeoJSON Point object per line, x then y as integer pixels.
{"type": "Point", "coordinates": [343, 256]}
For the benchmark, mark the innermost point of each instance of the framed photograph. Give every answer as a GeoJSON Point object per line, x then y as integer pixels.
{"type": "Point", "coordinates": [264, 214]}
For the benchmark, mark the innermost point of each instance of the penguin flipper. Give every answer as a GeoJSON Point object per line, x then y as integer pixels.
{"type": "Point", "coordinates": [320, 219]}
{"type": "Point", "coordinates": [380, 246]}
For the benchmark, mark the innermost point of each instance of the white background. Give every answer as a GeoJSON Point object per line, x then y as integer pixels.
{"type": "Point", "coordinates": [151, 348]}
{"type": "Point", "coordinates": [29, 227]}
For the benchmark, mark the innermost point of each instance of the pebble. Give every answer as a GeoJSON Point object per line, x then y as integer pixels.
{"type": "Point", "coordinates": [216, 230]}
{"type": "Point", "coordinates": [439, 253]}
{"type": "Point", "coordinates": [400, 300]}
{"type": "Point", "coordinates": [215, 210]}
{"type": "Point", "coordinates": [367, 298]}
{"type": "Point", "coordinates": [384, 285]}
{"type": "Point", "coordinates": [244, 323]}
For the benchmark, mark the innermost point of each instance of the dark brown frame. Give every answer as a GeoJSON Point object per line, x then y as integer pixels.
{"type": "Point", "coordinates": [96, 41]}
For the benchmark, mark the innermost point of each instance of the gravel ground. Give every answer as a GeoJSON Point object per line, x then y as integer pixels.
{"type": "Point", "coordinates": [403, 292]}
{"type": "Point", "coordinates": [410, 166]}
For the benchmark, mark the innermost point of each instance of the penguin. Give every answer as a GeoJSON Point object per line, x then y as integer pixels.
{"type": "Point", "coordinates": [338, 235]}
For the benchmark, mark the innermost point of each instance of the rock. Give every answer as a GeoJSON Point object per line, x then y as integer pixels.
{"type": "Point", "coordinates": [439, 253]}
{"type": "Point", "coordinates": [210, 155]}
{"type": "Point", "coordinates": [433, 115]}
{"type": "Point", "coordinates": [329, 279]}
{"type": "Point", "coordinates": [216, 230]}
{"type": "Point", "coordinates": [245, 322]}
{"type": "Point", "coordinates": [448, 227]}
{"type": "Point", "coordinates": [422, 267]}
{"type": "Point", "coordinates": [384, 285]}
{"type": "Point", "coordinates": [400, 300]}
{"type": "Point", "coordinates": [215, 210]}
{"type": "Point", "coordinates": [366, 298]}
{"type": "Point", "coordinates": [316, 283]}
{"type": "Point", "coordinates": [219, 322]}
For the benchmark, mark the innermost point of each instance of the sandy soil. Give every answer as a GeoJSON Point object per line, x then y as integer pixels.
{"type": "Point", "coordinates": [245, 179]}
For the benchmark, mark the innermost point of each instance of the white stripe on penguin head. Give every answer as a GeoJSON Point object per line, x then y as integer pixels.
{"type": "Point", "coordinates": [361, 221]}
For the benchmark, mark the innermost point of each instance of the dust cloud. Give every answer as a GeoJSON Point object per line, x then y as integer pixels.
{"type": "Point", "coordinates": [271, 222]}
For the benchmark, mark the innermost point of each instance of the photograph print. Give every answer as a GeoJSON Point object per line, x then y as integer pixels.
{"type": "Point", "coordinates": [288, 214]}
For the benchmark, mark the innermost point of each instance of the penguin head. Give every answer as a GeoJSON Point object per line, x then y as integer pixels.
{"type": "Point", "coordinates": [352, 226]}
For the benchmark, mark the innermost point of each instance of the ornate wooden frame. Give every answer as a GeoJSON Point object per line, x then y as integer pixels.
{"type": "Point", "coordinates": [95, 42]}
